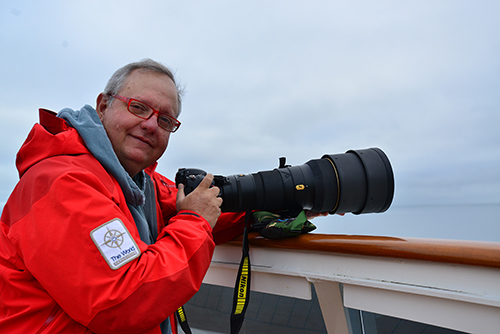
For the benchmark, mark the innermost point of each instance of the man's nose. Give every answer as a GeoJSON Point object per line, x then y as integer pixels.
{"type": "Point", "coordinates": [151, 124]}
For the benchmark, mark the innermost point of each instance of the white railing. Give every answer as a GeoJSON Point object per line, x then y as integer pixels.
{"type": "Point", "coordinates": [449, 284]}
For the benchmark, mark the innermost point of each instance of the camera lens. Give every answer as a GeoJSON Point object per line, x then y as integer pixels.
{"type": "Point", "coordinates": [358, 181]}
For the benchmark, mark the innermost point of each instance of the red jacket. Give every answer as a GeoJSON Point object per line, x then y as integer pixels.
{"type": "Point", "coordinates": [56, 276]}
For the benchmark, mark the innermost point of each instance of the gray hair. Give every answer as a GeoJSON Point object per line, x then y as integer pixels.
{"type": "Point", "coordinates": [119, 78]}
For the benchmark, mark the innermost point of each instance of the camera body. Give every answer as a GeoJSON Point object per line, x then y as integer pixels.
{"type": "Point", "coordinates": [358, 181]}
{"type": "Point", "coordinates": [190, 178]}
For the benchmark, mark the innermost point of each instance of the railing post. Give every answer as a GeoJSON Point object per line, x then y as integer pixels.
{"type": "Point", "coordinates": [332, 307]}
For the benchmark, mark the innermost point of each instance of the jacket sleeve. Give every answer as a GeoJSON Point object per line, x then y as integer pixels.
{"type": "Point", "coordinates": [59, 213]}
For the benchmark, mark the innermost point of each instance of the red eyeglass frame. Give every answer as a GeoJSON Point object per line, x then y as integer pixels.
{"type": "Point", "coordinates": [129, 100]}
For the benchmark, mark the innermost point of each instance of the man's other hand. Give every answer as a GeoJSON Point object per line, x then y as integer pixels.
{"type": "Point", "coordinates": [203, 200]}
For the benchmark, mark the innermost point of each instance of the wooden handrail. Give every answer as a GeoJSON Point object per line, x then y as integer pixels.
{"type": "Point", "coordinates": [476, 253]}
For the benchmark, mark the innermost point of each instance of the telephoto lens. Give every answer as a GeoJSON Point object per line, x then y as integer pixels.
{"type": "Point", "coordinates": [358, 181]}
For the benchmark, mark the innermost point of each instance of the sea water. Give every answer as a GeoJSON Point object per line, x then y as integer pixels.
{"type": "Point", "coordinates": [458, 222]}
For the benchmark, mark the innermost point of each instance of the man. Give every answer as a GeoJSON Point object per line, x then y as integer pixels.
{"type": "Point", "coordinates": [92, 238]}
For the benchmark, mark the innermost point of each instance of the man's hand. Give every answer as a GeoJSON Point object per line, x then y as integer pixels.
{"type": "Point", "coordinates": [311, 214]}
{"type": "Point", "coordinates": [203, 200]}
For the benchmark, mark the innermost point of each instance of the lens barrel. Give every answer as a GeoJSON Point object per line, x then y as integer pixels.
{"type": "Point", "coordinates": [358, 181]}
{"type": "Point", "coordinates": [365, 181]}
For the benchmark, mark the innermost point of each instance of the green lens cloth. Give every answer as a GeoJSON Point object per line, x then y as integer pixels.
{"type": "Point", "coordinates": [273, 226]}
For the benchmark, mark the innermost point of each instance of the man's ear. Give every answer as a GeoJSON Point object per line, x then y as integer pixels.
{"type": "Point", "coordinates": [101, 104]}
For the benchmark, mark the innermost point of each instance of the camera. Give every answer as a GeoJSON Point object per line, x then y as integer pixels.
{"type": "Point", "coordinates": [358, 181]}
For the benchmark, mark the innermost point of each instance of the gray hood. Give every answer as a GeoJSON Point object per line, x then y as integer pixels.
{"type": "Point", "coordinates": [139, 191]}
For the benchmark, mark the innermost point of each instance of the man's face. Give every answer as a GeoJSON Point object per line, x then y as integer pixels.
{"type": "Point", "coordinates": [138, 143]}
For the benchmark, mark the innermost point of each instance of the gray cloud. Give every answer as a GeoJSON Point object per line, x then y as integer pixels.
{"type": "Point", "coordinates": [264, 79]}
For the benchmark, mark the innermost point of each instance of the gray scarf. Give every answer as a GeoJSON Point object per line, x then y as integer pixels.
{"type": "Point", "coordinates": [139, 191]}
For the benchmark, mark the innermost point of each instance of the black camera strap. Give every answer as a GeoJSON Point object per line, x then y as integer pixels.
{"type": "Point", "coordinates": [241, 289]}
{"type": "Point", "coordinates": [242, 286]}
{"type": "Point", "coordinates": [182, 319]}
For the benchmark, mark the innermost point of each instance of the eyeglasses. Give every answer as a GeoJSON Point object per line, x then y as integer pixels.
{"type": "Point", "coordinates": [144, 111]}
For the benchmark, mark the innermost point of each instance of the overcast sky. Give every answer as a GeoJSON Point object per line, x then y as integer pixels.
{"type": "Point", "coordinates": [264, 79]}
